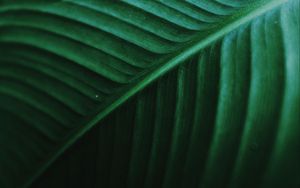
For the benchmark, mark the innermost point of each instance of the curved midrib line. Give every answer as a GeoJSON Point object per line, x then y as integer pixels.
{"type": "Point", "coordinates": [163, 68]}
{"type": "Point", "coordinates": [241, 18]}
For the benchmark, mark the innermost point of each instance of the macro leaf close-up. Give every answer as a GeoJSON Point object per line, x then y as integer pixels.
{"type": "Point", "coordinates": [149, 94]}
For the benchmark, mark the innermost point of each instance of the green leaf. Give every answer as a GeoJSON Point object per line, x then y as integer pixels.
{"type": "Point", "coordinates": [223, 111]}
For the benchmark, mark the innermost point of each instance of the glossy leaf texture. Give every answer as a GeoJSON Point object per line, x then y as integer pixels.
{"type": "Point", "coordinates": [224, 111]}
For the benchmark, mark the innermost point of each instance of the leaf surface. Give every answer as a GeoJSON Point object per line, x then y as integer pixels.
{"type": "Point", "coordinates": [230, 102]}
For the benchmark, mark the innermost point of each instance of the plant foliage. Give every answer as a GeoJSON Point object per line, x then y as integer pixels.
{"type": "Point", "coordinates": [210, 93]}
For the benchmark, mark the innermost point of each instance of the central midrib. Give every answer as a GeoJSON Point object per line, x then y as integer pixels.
{"type": "Point", "coordinates": [244, 16]}
{"type": "Point", "coordinates": [240, 18]}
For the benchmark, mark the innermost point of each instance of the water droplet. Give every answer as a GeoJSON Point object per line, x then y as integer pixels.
{"type": "Point", "coordinates": [96, 96]}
